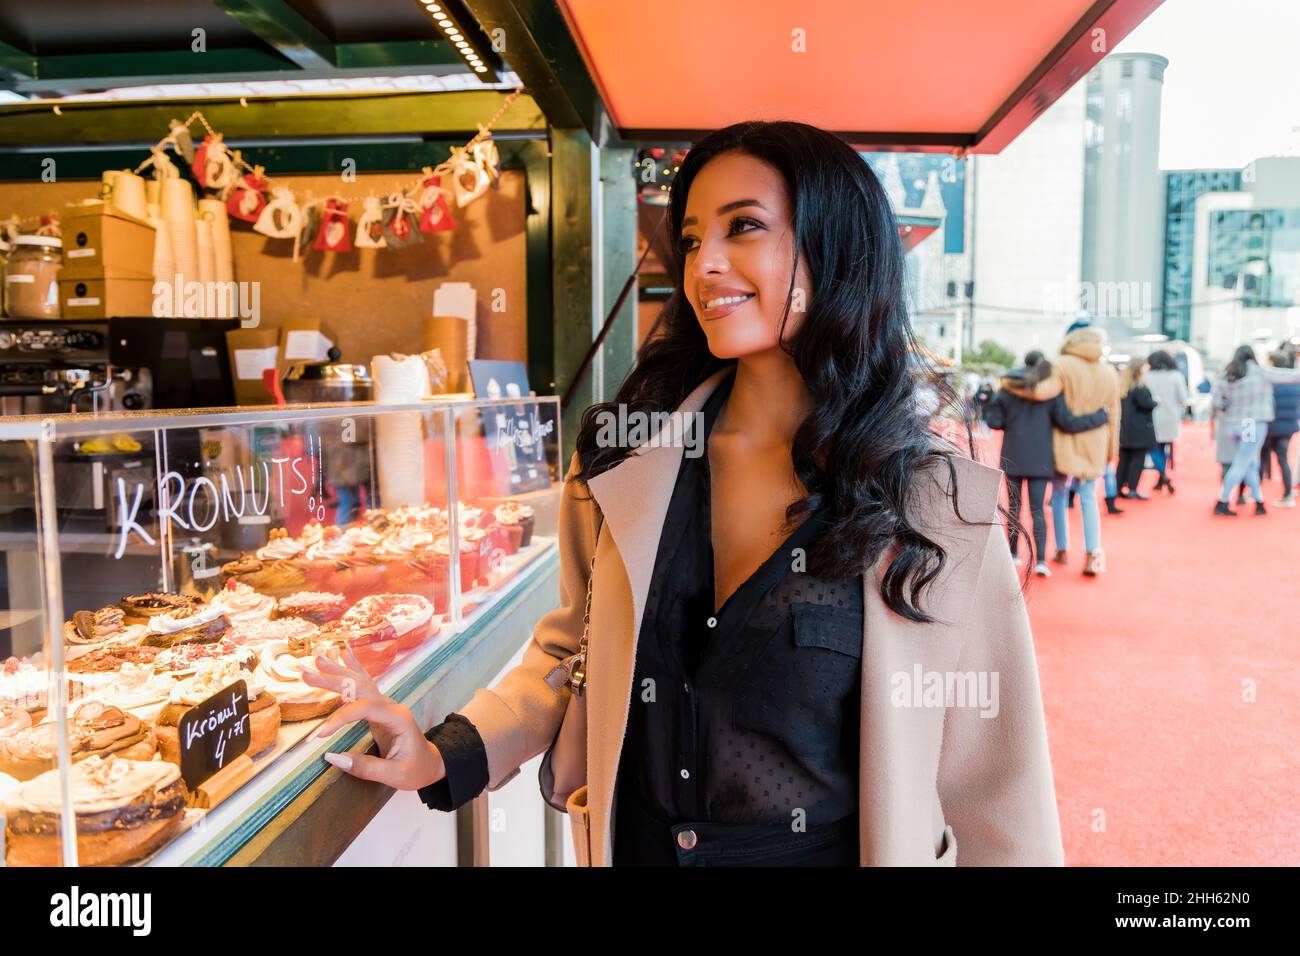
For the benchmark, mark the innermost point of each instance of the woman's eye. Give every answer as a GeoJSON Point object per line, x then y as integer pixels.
{"type": "Point", "coordinates": [738, 225]}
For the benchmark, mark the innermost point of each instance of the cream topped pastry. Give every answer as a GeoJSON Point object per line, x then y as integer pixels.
{"type": "Point", "coordinates": [334, 547]}
{"type": "Point", "coordinates": [241, 604]}
{"type": "Point", "coordinates": [130, 686]}
{"type": "Point", "coordinates": [280, 549]}
{"type": "Point", "coordinates": [281, 671]}
{"type": "Point", "coordinates": [183, 618]}
{"type": "Point", "coordinates": [405, 541]}
{"type": "Point", "coordinates": [316, 606]}
{"type": "Point", "coordinates": [23, 685]}
{"type": "Point", "coordinates": [410, 616]}
{"type": "Point", "coordinates": [94, 728]}
{"type": "Point", "coordinates": [362, 537]}
{"type": "Point", "coordinates": [255, 634]}
{"type": "Point", "coordinates": [90, 629]}
{"type": "Point", "coordinates": [125, 810]}
{"type": "Point", "coordinates": [13, 719]}
{"type": "Point", "coordinates": [211, 677]}
{"type": "Point", "coordinates": [184, 659]}
{"type": "Point", "coordinates": [311, 533]}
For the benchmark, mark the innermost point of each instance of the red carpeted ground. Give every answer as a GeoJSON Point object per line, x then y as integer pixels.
{"type": "Point", "coordinates": [1172, 681]}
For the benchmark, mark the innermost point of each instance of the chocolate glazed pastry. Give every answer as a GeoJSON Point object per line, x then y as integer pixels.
{"type": "Point", "coordinates": [125, 809]}
{"type": "Point", "coordinates": [209, 627]}
{"type": "Point", "coordinates": [88, 628]}
{"type": "Point", "coordinates": [140, 608]}
{"type": "Point", "coordinates": [275, 578]}
{"type": "Point", "coordinates": [95, 730]}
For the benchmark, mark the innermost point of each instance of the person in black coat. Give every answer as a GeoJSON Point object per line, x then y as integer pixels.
{"type": "Point", "coordinates": [1137, 429]}
{"type": "Point", "coordinates": [1027, 445]}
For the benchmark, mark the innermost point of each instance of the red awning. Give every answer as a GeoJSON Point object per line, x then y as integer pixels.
{"type": "Point", "coordinates": [921, 74]}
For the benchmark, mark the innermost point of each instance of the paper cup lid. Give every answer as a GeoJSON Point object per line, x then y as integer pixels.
{"type": "Point", "coordinates": [51, 242]}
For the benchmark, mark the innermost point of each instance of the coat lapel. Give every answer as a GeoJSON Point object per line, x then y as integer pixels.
{"type": "Point", "coordinates": [634, 495]}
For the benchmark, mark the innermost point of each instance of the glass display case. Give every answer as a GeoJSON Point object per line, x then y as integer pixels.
{"type": "Point", "coordinates": [167, 576]}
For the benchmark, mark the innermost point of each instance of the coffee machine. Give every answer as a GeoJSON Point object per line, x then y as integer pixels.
{"type": "Point", "coordinates": [118, 364]}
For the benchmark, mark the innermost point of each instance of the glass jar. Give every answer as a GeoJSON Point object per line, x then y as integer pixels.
{"type": "Point", "coordinates": [32, 277]}
{"type": "Point", "coordinates": [4, 260]}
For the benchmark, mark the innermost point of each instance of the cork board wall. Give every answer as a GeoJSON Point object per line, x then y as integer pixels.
{"type": "Point", "coordinates": [373, 300]}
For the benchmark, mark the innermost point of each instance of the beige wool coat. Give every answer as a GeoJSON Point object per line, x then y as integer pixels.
{"type": "Point", "coordinates": [942, 780]}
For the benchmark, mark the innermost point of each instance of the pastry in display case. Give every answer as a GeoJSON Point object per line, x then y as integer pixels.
{"type": "Point", "coordinates": [212, 587]}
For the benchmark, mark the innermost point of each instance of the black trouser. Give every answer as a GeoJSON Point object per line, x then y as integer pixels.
{"type": "Point", "coordinates": [1129, 471]}
{"type": "Point", "coordinates": [1037, 492]}
{"type": "Point", "coordinates": [1279, 446]}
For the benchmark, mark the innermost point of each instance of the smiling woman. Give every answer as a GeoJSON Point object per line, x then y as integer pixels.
{"type": "Point", "coordinates": [719, 684]}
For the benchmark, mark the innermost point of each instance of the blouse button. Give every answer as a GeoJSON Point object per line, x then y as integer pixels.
{"type": "Point", "coordinates": [687, 839]}
{"type": "Point", "coordinates": [686, 774]}
{"type": "Point", "coordinates": [713, 622]}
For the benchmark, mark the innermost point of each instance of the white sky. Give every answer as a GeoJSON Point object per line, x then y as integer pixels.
{"type": "Point", "coordinates": [1232, 88]}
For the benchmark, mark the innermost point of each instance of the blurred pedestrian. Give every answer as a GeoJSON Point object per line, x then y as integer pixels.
{"type": "Point", "coordinates": [1169, 387]}
{"type": "Point", "coordinates": [1243, 398]}
{"type": "Point", "coordinates": [1285, 423]}
{"type": "Point", "coordinates": [1137, 430]}
{"type": "Point", "coordinates": [1027, 457]}
{"type": "Point", "coordinates": [1088, 383]}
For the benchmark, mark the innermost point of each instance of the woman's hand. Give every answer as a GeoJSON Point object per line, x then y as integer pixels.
{"type": "Point", "coordinates": [407, 761]}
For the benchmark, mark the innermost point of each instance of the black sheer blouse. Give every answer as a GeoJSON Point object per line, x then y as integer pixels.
{"type": "Point", "coordinates": [746, 719]}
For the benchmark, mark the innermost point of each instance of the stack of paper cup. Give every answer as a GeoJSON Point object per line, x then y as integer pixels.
{"type": "Point", "coordinates": [129, 194]}
{"type": "Point", "coordinates": [214, 212]}
{"type": "Point", "coordinates": [164, 266]}
{"type": "Point", "coordinates": [207, 260]}
{"type": "Point", "coordinates": [399, 439]}
{"type": "Point", "coordinates": [178, 212]}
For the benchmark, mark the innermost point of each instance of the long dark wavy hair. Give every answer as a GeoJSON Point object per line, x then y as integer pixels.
{"type": "Point", "coordinates": [864, 443]}
{"type": "Point", "coordinates": [1240, 364]}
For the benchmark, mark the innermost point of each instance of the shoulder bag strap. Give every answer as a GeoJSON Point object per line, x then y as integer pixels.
{"type": "Point", "coordinates": [578, 671]}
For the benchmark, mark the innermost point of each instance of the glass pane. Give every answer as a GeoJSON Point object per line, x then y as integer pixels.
{"type": "Point", "coordinates": [507, 486]}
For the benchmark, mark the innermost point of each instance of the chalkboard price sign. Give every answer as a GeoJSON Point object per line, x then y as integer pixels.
{"type": "Point", "coordinates": [214, 733]}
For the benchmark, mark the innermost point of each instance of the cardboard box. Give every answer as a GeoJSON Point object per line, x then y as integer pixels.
{"type": "Point", "coordinates": [105, 296]}
{"type": "Point", "coordinates": [251, 351]}
{"type": "Point", "coordinates": [100, 238]}
{"type": "Point", "coordinates": [303, 340]}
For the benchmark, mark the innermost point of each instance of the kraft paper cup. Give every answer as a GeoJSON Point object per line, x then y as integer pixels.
{"type": "Point", "coordinates": [177, 201]}
{"type": "Point", "coordinates": [129, 195]}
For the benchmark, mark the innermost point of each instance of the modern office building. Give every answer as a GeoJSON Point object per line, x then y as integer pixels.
{"type": "Point", "coordinates": [1244, 276]}
{"type": "Point", "coordinates": [1183, 187]}
{"type": "Point", "coordinates": [1122, 268]}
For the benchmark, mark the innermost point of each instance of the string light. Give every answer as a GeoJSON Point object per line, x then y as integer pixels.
{"type": "Point", "coordinates": [454, 35]}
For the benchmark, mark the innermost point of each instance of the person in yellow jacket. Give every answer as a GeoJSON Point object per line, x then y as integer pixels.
{"type": "Point", "coordinates": [1088, 383]}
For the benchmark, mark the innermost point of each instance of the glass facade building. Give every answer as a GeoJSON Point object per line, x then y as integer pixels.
{"type": "Point", "coordinates": [1182, 188]}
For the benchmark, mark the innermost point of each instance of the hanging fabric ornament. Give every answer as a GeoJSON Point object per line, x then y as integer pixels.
{"type": "Point", "coordinates": [470, 179]}
{"type": "Point", "coordinates": [248, 199]}
{"type": "Point", "coordinates": [310, 225]}
{"type": "Point", "coordinates": [370, 229]}
{"type": "Point", "coordinates": [212, 165]}
{"type": "Point", "coordinates": [235, 174]}
{"type": "Point", "coordinates": [182, 141]}
{"type": "Point", "coordinates": [281, 218]}
{"type": "Point", "coordinates": [486, 156]}
{"type": "Point", "coordinates": [435, 214]}
{"type": "Point", "coordinates": [334, 233]}
{"type": "Point", "coordinates": [401, 222]}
